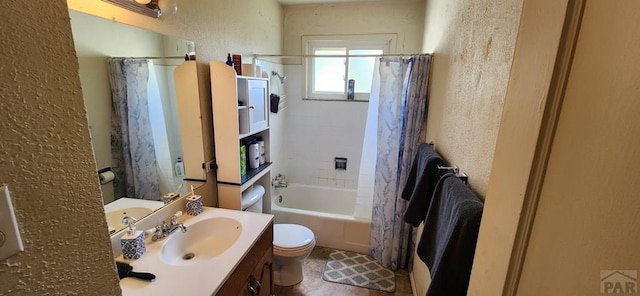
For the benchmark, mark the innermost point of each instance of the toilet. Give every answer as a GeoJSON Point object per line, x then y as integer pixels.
{"type": "Point", "coordinates": [292, 243]}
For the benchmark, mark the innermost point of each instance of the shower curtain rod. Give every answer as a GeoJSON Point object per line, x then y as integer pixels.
{"type": "Point", "coordinates": [257, 56]}
{"type": "Point", "coordinates": [156, 58]}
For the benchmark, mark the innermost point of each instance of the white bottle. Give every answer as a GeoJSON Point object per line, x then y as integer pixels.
{"type": "Point", "coordinates": [263, 159]}
{"type": "Point", "coordinates": [179, 168]}
{"type": "Point", "coordinates": [254, 155]}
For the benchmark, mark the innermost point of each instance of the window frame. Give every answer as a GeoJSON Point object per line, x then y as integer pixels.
{"type": "Point", "coordinates": [386, 42]}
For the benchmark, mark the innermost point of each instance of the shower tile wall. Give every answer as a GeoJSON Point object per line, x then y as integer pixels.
{"type": "Point", "coordinates": [319, 131]}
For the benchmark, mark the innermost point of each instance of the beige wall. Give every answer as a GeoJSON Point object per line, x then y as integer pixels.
{"type": "Point", "coordinates": [47, 157]}
{"type": "Point", "coordinates": [47, 160]}
{"type": "Point", "coordinates": [472, 44]}
{"type": "Point", "coordinates": [404, 18]}
{"type": "Point", "coordinates": [587, 216]}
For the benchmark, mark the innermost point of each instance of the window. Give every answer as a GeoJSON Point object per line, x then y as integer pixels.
{"type": "Point", "coordinates": [328, 77]}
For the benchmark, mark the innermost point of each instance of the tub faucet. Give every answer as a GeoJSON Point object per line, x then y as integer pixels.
{"type": "Point", "coordinates": [279, 181]}
{"type": "Point", "coordinates": [163, 230]}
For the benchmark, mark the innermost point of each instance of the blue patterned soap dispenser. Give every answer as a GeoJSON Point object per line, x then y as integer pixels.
{"type": "Point", "coordinates": [132, 242]}
{"type": "Point", "coordinates": [194, 204]}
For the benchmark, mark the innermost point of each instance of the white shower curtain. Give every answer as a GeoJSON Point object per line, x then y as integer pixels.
{"type": "Point", "coordinates": [367, 173]}
{"type": "Point", "coordinates": [402, 109]}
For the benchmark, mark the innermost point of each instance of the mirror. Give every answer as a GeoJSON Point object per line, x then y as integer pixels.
{"type": "Point", "coordinates": [138, 151]}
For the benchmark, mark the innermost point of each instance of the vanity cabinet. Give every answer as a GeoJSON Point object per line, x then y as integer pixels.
{"type": "Point", "coordinates": [253, 275]}
{"type": "Point", "coordinates": [240, 106]}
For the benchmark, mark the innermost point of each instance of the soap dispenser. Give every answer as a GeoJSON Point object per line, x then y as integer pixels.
{"type": "Point", "coordinates": [132, 242]}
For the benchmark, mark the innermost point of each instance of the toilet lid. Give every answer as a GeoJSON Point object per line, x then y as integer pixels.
{"type": "Point", "coordinates": [291, 236]}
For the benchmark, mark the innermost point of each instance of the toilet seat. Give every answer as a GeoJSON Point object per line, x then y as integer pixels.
{"type": "Point", "coordinates": [292, 239]}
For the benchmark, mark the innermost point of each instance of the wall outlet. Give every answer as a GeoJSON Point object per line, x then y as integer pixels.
{"type": "Point", "coordinates": [10, 241]}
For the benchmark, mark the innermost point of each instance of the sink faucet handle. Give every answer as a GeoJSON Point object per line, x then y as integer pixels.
{"type": "Point", "coordinates": [151, 231]}
{"type": "Point", "coordinates": [175, 217]}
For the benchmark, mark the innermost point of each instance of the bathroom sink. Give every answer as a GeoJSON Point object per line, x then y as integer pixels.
{"type": "Point", "coordinates": [203, 240]}
{"type": "Point", "coordinates": [114, 218]}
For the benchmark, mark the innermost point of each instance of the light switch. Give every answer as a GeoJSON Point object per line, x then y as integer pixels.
{"type": "Point", "coordinates": [10, 241]}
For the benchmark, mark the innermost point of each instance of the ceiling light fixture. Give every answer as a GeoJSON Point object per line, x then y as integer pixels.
{"type": "Point", "coordinates": [145, 7]}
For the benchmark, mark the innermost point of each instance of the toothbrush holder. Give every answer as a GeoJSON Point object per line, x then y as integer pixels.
{"type": "Point", "coordinates": [194, 205]}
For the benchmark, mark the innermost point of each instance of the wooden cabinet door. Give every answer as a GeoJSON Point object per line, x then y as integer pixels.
{"type": "Point", "coordinates": [260, 281]}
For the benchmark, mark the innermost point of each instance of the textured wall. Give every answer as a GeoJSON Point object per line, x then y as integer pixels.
{"type": "Point", "coordinates": [216, 26]}
{"type": "Point", "coordinates": [472, 43]}
{"type": "Point", "coordinates": [47, 159]}
{"type": "Point", "coordinates": [404, 18]}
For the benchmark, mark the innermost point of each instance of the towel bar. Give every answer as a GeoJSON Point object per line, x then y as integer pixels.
{"type": "Point", "coordinates": [456, 171]}
{"type": "Point", "coordinates": [452, 169]}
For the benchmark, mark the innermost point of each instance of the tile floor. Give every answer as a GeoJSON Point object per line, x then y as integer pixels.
{"type": "Point", "coordinates": [314, 285]}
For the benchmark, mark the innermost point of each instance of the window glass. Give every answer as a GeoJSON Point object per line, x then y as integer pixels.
{"type": "Point", "coordinates": [327, 78]}
{"type": "Point", "coordinates": [329, 72]}
{"type": "Point", "coordinates": [361, 69]}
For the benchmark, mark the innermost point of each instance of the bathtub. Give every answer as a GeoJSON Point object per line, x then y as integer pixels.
{"type": "Point", "coordinates": [328, 212]}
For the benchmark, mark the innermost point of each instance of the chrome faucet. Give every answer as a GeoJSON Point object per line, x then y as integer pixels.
{"type": "Point", "coordinates": [279, 181]}
{"type": "Point", "coordinates": [163, 230]}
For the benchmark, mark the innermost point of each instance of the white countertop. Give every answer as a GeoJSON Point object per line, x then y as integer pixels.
{"type": "Point", "coordinates": [128, 202]}
{"type": "Point", "coordinates": [200, 279]}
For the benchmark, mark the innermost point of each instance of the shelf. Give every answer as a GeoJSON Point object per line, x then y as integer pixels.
{"type": "Point", "coordinates": [242, 136]}
{"type": "Point", "coordinates": [252, 77]}
{"type": "Point", "coordinates": [253, 172]}
{"type": "Point", "coordinates": [242, 107]}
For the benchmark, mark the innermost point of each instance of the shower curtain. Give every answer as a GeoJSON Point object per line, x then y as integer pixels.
{"type": "Point", "coordinates": [132, 145]}
{"type": "Point", "coordinates": [402, 112]}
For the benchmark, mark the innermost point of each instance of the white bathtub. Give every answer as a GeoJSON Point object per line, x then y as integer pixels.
{"type": "Point", "coordinates": [328, 212]}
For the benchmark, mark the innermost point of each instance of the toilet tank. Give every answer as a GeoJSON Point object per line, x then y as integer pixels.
{"type": "Point", "coordinates": [252, 199]}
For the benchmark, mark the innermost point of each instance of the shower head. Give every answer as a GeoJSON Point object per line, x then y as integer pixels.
{"type": "Point", "coordinates": [282, 78]}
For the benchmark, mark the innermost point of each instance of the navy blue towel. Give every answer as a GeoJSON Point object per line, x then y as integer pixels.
{"type": "Point", "coordinates": [448, 241]}
{"type": "Point", "coordinates": [420, 184]}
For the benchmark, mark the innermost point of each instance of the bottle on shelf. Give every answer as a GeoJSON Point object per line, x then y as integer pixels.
{"type": "Point", "coordinates": [243, 160]}
{"type": "Point", "coordinates": [179, 167]}
{"type": "Point", "coordinates": [263, 159]}
{"type": "Point", "coordinates": [229, 60]}
{"type": "Point", "coordinates": [254, 154]}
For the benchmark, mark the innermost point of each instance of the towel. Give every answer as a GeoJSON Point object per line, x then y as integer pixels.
{"type": "Point", "coordinates": [420, 184]}
{"type": "Point", "coordinates": [275, 103]}
{"type": "Point", "coordinates": [448, 241]}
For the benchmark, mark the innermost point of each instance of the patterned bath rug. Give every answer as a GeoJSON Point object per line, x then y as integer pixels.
{"type": "Point", "coordinates": [358, 270]}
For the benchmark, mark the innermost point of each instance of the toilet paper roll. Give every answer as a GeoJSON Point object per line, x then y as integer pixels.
{"type": "Point", "coordinates": [106, 177]}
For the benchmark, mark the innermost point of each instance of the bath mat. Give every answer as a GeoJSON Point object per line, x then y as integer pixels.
{"type": "Point", "coordinates": [358, 270]}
